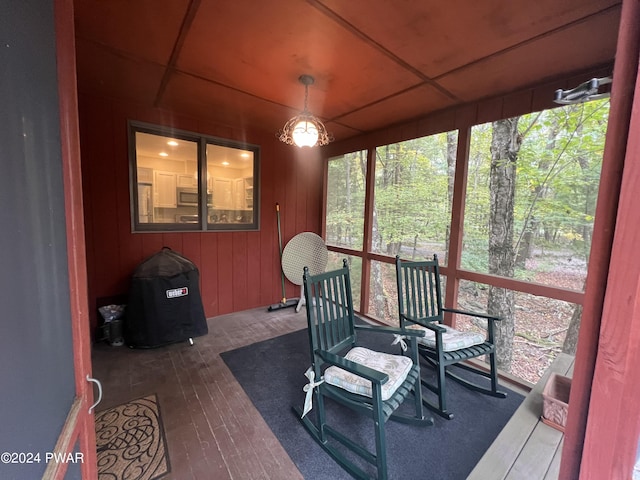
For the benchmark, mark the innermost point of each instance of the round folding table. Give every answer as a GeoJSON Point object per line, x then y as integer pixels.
{"type": "Point", "coordinates": [306, 249]}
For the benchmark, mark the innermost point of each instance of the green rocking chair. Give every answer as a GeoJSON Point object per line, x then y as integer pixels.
{"type": "Point", "coordinates": [420, 307]}
{"type": "Point", "coordinates": [368, 382]}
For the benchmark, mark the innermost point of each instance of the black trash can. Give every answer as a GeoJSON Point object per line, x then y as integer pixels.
{"type": "Point", "coordinates": [165, 305]}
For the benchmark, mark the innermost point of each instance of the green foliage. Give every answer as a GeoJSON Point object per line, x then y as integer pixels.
{"type": "Point", "coordinates": [474, 254]}
{"type": "Point", "coordinates": [411, 202]}
{"type": "Point", "coordinates": [558, 172]}
{"type": "Point", "coordinates": [345, 201]}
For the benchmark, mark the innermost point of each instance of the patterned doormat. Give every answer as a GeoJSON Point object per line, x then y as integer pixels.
{"type": "Point", "coordinates": [130, 441]}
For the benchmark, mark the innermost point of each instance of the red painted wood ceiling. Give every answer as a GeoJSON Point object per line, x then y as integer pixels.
{"type": "Point", "coordinates": [375, 62]}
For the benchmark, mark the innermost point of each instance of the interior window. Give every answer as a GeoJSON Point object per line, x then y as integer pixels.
{"type": "Point", "coordinates": [173, 187]}
{"type": "Point", "coordinates": [229, 185]}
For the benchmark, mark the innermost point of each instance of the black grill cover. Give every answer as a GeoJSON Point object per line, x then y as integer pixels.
{"type": "Point", "coordinates": [165, 305]}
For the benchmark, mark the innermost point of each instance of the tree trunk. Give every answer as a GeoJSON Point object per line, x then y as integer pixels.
{"type": "Point", "coordinates": [524, 245]}
{"type": "Point", "coordinates": [377, 301]}
{"type": "Point", "coordinates": [348, 239]}
{"type": "Point", "coordinates": [452, 148]}
{"type": "Point", "coordinates": [570, 343]}
{"type": "Point", "coordinates": [571, 339]}
{"type": "Point", "coordinates": [505, 145]}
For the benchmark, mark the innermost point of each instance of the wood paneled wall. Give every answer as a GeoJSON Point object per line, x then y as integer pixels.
{"type": "Point", "coordinates": [238, 270]}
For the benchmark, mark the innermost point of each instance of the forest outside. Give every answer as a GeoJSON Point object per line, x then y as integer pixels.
{"type": "Point", "coordinates": [531, 191]}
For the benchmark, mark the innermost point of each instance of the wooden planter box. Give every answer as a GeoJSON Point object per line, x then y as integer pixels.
{"type": "Point", "coordinates": [555, 401]}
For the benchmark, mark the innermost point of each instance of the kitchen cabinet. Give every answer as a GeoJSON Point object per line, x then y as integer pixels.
{"type": "Point", "coordinates": [231, 193]}
{"type": "Point", "coordinates": [187, 180]}
{"type": "Point", "coordinates": [145, 175]}
{"type": "Point", "coordinates": [164, 189]}
{"type": "Point", "coordinates": [222, 193]}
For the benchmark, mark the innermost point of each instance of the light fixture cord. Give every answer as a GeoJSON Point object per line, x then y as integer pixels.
{"type": "Point", "coordinates": [306, 96]}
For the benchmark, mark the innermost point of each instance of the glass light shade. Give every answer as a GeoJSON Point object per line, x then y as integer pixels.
{"type": "Point", "coordinates": [304, 130]}
{"type": "Point", "coordinates": [305, 134]}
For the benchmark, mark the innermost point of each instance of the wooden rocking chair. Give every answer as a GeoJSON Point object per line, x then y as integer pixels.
{"type": "Point", "coordinates": [420, 307]}
{"type": "Point", "coordinates": [370, 383]}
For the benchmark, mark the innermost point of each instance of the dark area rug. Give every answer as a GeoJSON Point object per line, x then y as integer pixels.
{"type": "Point", "coordinates": [130, 441]}
{"type": "Point", "coordinates": [272, 374]}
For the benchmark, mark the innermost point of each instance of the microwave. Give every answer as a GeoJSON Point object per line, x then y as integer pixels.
{"type": "Point", "coordinates": [188, 197]}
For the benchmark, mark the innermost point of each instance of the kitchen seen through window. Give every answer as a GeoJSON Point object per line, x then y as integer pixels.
{"type": "Point", "coordinates": [185, 182]}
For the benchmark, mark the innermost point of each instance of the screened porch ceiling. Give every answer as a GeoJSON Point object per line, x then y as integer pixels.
{"type": "Point", "coordinates": [376, 63]}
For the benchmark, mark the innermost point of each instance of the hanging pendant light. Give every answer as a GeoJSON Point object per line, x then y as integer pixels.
{"type": "Point", "coordinates": [305, 130]}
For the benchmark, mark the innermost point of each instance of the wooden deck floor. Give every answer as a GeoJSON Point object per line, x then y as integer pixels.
{"type": "Point", "coordinates": [212, 429]}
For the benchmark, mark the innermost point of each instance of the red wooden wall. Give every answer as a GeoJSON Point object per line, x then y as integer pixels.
{"type": "Point", "coordinates": [612, 426]}
{"type": "Point", "coordinates": [238, 270]}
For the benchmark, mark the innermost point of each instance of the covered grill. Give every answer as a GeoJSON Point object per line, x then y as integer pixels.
{"type": "Point", "coordinates": [165, 305]}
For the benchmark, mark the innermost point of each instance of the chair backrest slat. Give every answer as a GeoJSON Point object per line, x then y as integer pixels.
{"type": "Point", "coordinates": [330, 316]}
{"type": "Point", "coordinates": [334, 307]}
{"type": "Point", "coordinates": [419, 291]}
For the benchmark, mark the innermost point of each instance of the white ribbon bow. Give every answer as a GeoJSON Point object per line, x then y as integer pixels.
{"type": "Point", "coordinates": [310, 374]}
{"type": "Point", "coordinates": [399, 339]}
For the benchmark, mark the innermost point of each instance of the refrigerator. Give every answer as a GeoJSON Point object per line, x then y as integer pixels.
{"type": "Point", "coordinates": [145, 206]}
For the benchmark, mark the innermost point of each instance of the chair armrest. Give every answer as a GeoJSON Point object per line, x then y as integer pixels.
{"type": "Point", "coordinates": [490, 320]}
{"type": "Point", "coordinates": [409, 334]}
{"type": "Point", "coordinates": [430, 325]}
{"type": "Point", "coordinates": [472, 314]}
{"type": "Point", "coordinates": [390, 330]}
{"type": "Point", "coordinates": [353, 367]}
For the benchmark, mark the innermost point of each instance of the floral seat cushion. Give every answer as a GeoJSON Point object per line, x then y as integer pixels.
{"type": "Point", "coordinates": [395, 366]}
{"type": "Point", "coordinates": [452, 339]}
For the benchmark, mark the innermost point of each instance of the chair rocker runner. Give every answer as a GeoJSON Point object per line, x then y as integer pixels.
{"type": "Point", "coordinates": [420, 307]}
{"type": "Point", "coordinates": [371, 383]}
